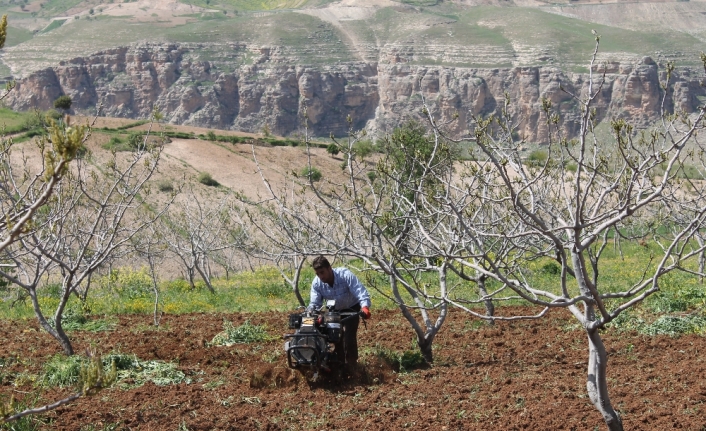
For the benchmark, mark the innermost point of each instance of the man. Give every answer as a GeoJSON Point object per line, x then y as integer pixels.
{"type": "Point", "coordinates": [341, 285]}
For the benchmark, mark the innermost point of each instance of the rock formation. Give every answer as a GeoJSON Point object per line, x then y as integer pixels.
{"type": "Point", "coordinates": [131, 81]}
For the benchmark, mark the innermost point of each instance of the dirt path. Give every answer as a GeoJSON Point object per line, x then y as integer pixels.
{"type": "Point", "coordinates": [350, 10]}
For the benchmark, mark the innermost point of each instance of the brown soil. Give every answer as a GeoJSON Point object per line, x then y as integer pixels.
{"type": "Point", "coordinates": [523, 375]}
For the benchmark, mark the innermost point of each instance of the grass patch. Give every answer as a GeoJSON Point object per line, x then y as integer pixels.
{"type": "Point", "coordinates": [53, 25]}
{"type": "Point", "coordinates": [675, 325]}
{"type": "Point", "coordinates": [62, 371]}
{"type": "Point", "coordinates": [245, 333]}
{"type": "Point", "coordinates": [206, 179]}
{"type": "Point", "coordinates": [401, 362]}
{"type": "Point", "coordinates": [134, 372]}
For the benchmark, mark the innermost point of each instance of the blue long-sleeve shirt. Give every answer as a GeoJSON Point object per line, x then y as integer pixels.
{"type": "Point", "coordinates": [347, 291]}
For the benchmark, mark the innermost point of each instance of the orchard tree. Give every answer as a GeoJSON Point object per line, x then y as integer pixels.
{"type": "Point", "coordinates": [569, 208]}
{"type": "Point", "coordinates": [370, 217]}
{"type": "Point", "coordinates": [89, 220]}
{"type": "Point", "coordinates": [24, 188]}
{"type": "Point", "coordinates": [151, 247]}
{"type": "Point", "coordinates": [195, 230]}
{"type": "Point", "coordinates": [27, 194]}
{"type": "Point", "coordinates": [274, 231]}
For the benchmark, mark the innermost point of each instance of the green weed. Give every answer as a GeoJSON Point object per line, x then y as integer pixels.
{"type": "Point", "coordinates": [245, 333]}
{"type": "Point", "coordinates": [403, 362]}
{"type": "Point", "coordinates": [62, 371]}
{"type": "Point", "coordinates": [134, 372]}
{"type": "Point", "coordinates": [675, 325]}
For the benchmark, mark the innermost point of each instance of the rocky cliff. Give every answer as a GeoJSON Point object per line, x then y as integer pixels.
{"type": "Point", "coordinates": [265, 89]}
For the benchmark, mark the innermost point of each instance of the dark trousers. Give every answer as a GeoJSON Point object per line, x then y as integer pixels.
{"type": "Point", "coordinates": [347, 347]}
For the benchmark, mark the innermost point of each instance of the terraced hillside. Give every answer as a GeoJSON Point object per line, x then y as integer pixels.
{"type": "Point", "coordinates": [358, 44]}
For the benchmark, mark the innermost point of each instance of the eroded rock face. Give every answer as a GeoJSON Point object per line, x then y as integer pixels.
{"type": "Point", "coordinates": [131, 81]}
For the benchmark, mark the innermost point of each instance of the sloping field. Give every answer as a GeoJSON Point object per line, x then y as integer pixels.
{"type": "Point", "coordinates": [474, 33]}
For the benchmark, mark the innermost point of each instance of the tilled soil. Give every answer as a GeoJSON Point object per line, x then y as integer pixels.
{"type": "Point", "coordinates": [521, 375]}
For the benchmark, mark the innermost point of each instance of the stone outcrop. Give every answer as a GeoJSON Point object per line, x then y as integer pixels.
{"type": "Point", "coordinates": [131, 81]}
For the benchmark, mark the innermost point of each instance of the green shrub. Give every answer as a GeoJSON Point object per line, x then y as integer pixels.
{"type": "Point", "coordinates": [363, 149]}
{"type": "Point", "coordinates": [165, 186]}
{"type": "Point", "coordinates": [52, 114]}
{"type": "Point", "coordinates": [135, 140]}
{"type": "Point", "coordinates": [551, 268]}
{"type": "Point", "coordinates": [52, 290]}
{"type": "Point", "coordinates": [211, 136]}
{"type": "Point", "coordinates": [206, 179]}
{"type": "Point", "coordinates": [537, 158]}
{"type": "Point", "coordinates": [333, 149]}
{"type": "Point", "coordinates": [63, 102]}
{"type": "Point", "coordinates": [310, 173]}
{"type": "Point", "coordinates": [128, 283]}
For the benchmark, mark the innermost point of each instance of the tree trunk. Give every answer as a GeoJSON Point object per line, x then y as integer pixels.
{"type": "Point", "coordinates": [489, 306]}
{"type": "Point", "coordinates": [190, 277]}
{"type": "Point", "coordinates": [206, 279]}
{"type": "Point", "coordinates": [702, 259]}
{"type": "Point", "coordinates": [155, 289]}
{"type": "Point", "coordinates": [425, 347]}
{"type": "Point", "coordinates": [424, 340]}
{"type": "Point", "coordinates": [58, 332]}
{"type": "Point", "coordinates": [597, 384]}
{"type": "Point", "coordinates": [295, 282]}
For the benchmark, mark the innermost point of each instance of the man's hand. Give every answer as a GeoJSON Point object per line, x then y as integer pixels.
{"type": "Point", "coordinates": [365, 311]}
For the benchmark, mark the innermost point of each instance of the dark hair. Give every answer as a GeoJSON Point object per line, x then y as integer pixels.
{"type": "Point", "coordinates": [320, 262]}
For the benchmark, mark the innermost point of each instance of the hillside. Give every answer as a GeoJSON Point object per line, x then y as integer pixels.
{"type": "Point", "coordinates": [240, 64]}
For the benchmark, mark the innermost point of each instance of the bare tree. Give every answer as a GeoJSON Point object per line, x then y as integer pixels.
{"type": "Point", "coordinates": [370, 217]}
{"type": "Point", "coordinates": [151, 247]}
{"type": "Point", "coordinates": [91, 219]}
{"type": "Point", "coordinates": [274, 231]}
{"type": "Point", "coordinates": [194, 231]}
{"type": "Point", "coordinates": [568, 209]}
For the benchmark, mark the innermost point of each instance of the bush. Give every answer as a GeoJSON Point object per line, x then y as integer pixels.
{"type": "Point", "coordinates": [135, 140]}
{"type": "Point", "coordinates": [165, 186]}
{"type": "Point", "coordinates": [332, 149]}
{"type": "Point", "coordinates": [206, 179]}
{"type": "Point", "coordinates": [128, 283]}
{"type": "Point", "coordinates": [310, 173]}
{"type": "Point", "coordinates": [63, 102]}
{"type": "Point", "coordinates": [53, 114]}
{"type": "Point", "coordinates": [363, 149]}
{"type": "Point", "coordinates": [211, 136]}
{"type": "Point", "coordinates": [551, 268]}
{"type": "Point", "coordinates": [537, 158]}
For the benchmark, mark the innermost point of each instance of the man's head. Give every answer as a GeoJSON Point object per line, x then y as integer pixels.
{"type": "Point", "coordinates": [323, 269]}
